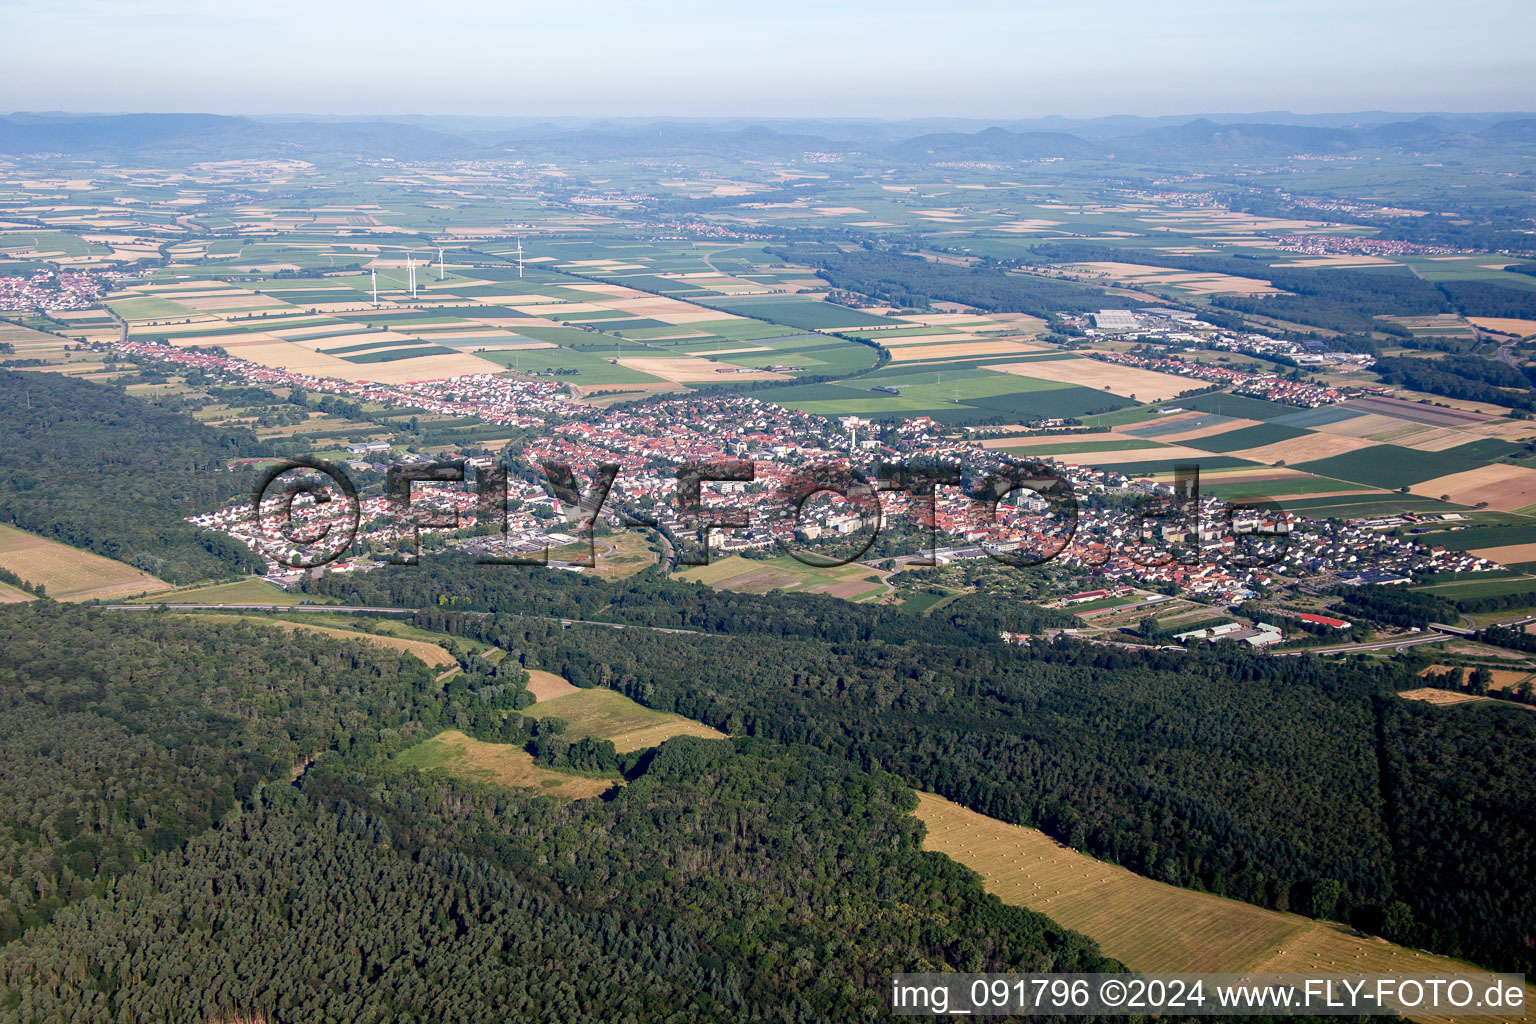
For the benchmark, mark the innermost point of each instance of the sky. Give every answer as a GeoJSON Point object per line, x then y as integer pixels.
{"type": "Point", "coordinates": [889, 59]}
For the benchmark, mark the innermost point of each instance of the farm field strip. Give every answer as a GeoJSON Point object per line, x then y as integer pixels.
{"type": "Point", "coordinates": [608, 714]}
{"type": "Point", "coordinates": [70, 574]}
{"type": "Point", "coordinates": [1152, 926]}
{"type": "Point", "coordinates": [504, 764]}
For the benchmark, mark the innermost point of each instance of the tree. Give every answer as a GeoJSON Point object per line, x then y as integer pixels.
{"type": "Point", "coordinates": [1325, 898]}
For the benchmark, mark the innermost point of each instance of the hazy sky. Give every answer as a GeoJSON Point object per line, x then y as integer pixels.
{"type": "Point", "coordinates": [893, 58]}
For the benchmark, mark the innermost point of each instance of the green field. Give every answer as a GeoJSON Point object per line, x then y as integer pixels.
{"type": "Point", "coordinates": [1387, 465]}
{"type": "Point", "coordinates": [393, 355]}
{"type": "Point", "coordinates": [592, 368]}
{"type": "Point", "coordinates": [1486, 588]}
{"type": "Point", "coordinates": [806, 314]}
{"type": "Point", "coordinates": [1270, 488]}
{"type": "Point", "coordinates": [150, 309]}
{"type": "Point", "coordinates": [247, 591]}
{"type": "Point", "coordinates": [1246, 437]}
{"type": "Point", "coordinates": [1478, 536]}
{"type": "Point", "coordinates": [1159, 466]}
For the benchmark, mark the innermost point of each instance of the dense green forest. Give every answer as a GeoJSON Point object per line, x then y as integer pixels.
{"type": "Point", "coordinates": [140, 730]}
{"type": "Point", "coordinates": [905, 280]}
{"type": "Point", "coordinates": [164, 867]}
{"type": "Point", "coordinates": [1397, 606]}
{"type": "Point", "coordinates": [1255, 777]}
{"type": "Point", "coordinates": [99, 469]}
{"type": "Point", "coordinates": [1258, 777]}
{"type": "Point", "coordinates": [1464, 377]}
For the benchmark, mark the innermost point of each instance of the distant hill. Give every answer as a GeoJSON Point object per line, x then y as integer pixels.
{"type": "Point", "coordinates": [166, 138]}
{"type": "Point", "coordinates": [169, 139]}
{"type": "Point", "coordinates": [994, 144]}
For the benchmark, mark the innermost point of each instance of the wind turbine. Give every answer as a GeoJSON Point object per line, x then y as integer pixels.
{"type": "Point", "coordinates": [373, 273]}
{"type": "Point", "coordinates": [441, 267]}
{"type": "Point", "coordinates": [519, 258]}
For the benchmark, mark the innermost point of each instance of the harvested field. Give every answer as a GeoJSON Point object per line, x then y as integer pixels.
{"type": "Point", "coordinates": [1431, 695]}
{"type": "Point", "coordinates": [1142, 275]}
{"type": "Point", "coordinates": [1303, 449]}
{"type": "Point", "coordinates": [547, 686]}
{"type": "Point", "coordinates": [1130, 455]}
{"type": "Point", "coordinates": [750, 576]}
{"type": "Point", "coordinates": [1508, 554]}
{"type": "Point", "coordinates": [963, 349]}
{"type": "Point", "coordinates": [1502, 678]}
{"type": "Point", "coordinates": [1125, 381]}
{"type": "Point", "coordinates": [761, 581]}
{"type": "Point", "coordinates": [69, 574]}
{"type": "Point", "coordinates": [1152, 926]}
{"type": "Point", "coordinates": [1373, 426]}
{"type": "Point", "coordinates": [609, 715]}
{"type": "Point", "coordinates": [894, 341]}
{"type": "Point", "coordinates": [501, 763]}
{"type": "Point", "coordinates": [1440, 439]}
{"type": "Point", "coordinates": [1063, 440]}
{"type": "Point", "coordinates": [1505, 325]}
{"type": "Point", "coordinates": [11, 595]}
{"type": "Point", "coordinates": [1506, 488]}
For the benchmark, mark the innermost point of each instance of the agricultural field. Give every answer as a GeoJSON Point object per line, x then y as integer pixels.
{"type": "Point", "coordinates": [431, 654]}
{"type": "Point", "coordinates": [1499, 678]}
{"type": "Point", "coordinates": [1152, 926]}
{"type": "Point", "coordinates": [13, 595]}
{"type": "Point", "coordinates": [504, 764]}
{"type": "Point", "coordinates": [852, 582]}
{"type": "Point", "coordinates": [609, 715]}
{"type": "Point", "coordinates": [248, 591]}
{"type": "Point", "coordinates": [1450, 698]}
{"type": "Point", "coordinates": [69, 574]}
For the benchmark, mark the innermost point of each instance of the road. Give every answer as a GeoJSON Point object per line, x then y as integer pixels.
{"type": "Point", "coordinates": [259, 608]}
{"type": "Point", "coordinates": [1378, 645]}
{"type": "Point", "coordinates": [288, 609]}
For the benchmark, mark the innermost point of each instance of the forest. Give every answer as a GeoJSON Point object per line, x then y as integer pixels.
{"type": "Point", "coordinates": [139, 731]}
{"type": "Point", "coordinates": [201, 811]}
{"type": "Point", "coordinates": [1043, 732]}
{"type": "Point", "coordinates": [909, 281]}
{"type": "Point", "coordinates": [1465, 377]}
{"type": "Point", "coordinates": [1254, 777]}
{"type": "Point", "coordinates": [91, 466]}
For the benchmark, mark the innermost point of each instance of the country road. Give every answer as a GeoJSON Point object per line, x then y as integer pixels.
{"type": "Point", "coordinates": [290, 609]}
